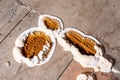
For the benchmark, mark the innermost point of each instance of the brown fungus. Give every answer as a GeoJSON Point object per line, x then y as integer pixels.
{"type": "Point", "coordinates": [84, 44]}
{"type": "Point", "coordinates": [34, 44]}
{"type": "Point", "coordinates": [50, 23]}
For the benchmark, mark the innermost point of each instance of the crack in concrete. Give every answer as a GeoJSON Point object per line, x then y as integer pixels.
{"type": "Point", "coordinates": [14, 27]}
{"type": "Point", "coordinates": [21, 3]}
{"type": "Point", "coordinates": [18, 70]}
{"type": "Point", "coordinates": [109, 33]}
{"type": "Point", "coordinates": [65, 69]}
{"type": "Point", "coordinates": [112, 48]}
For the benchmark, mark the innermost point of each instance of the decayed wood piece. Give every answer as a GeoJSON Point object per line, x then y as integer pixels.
{"type": "Point", "coordinates": [11, 13]}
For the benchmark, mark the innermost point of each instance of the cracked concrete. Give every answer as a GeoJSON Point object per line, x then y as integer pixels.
{"type": "Point", "coordinates": [21, 3]}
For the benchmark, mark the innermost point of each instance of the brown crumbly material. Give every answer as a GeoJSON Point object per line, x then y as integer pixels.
{"type": "Point", "coordinates": [90, 74]}
{"type": "Point", "coordinates": [52, 24]}
{"type": "Point", "coordinates": [84, 44]}
{"type": "Point", "coordinates": [34, 44]}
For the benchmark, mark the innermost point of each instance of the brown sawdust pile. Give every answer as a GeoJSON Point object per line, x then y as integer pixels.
{"type": "Point", "coordinates": [84, 44]}
{"type": "Point", "coordinates": [34, 44]}
{"type": "Point", "coordinates": [52, 24]}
